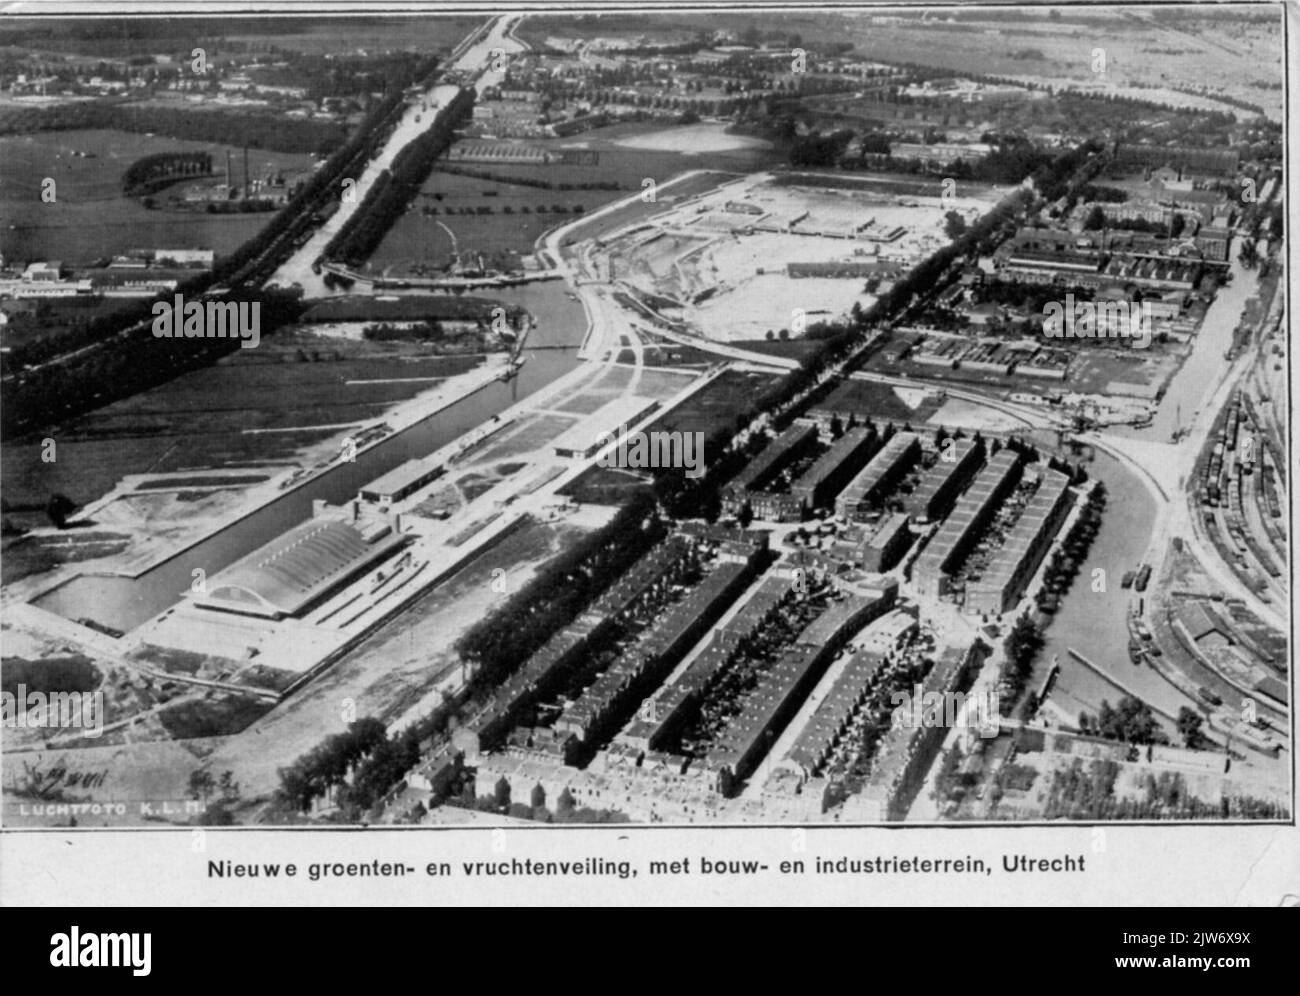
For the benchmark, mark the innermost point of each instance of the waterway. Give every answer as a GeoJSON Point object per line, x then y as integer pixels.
{"type": "Point", "coordinates": [1195, 379]}
{"type": "Point", "coordinates": [125, 603]}
{"type": "Point", "coordinates": [1094, 622]}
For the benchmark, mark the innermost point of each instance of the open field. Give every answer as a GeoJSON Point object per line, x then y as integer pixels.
{"type": "Point", "coordinates": [498, 220]}
{"type": "Point", "coordinates": [201, 420]}
{"type": "Point", "coordinates": [90, 218]}
{"type": "Point", "coordinates": [881, 402]}
{"type": "Point", "coordinates": [343, 35]}
{"type": "Point", "coordinates": [716, 405]}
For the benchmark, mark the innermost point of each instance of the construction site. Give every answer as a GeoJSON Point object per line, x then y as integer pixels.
{"type": "Point", "coordinates": [757, 258]}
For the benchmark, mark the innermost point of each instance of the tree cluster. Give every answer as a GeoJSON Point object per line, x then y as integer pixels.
{"type": "Point", "coordinates": [328, 763]}
{"type": "Point", "coordinates": [510, 634]}
{"type": "Point", "coordinates": [151, 173]}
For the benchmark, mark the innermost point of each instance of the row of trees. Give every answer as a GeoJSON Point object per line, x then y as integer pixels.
{"type": "Point", "coordinates": [125, 359]}
{"type": "Point", "coordinates": [505, 638]}
{"type": "Point", "coordinates": [328, 763]}
{"type": "Point", "coordinates": [487, 209]}
{"type": "Point", "coordinates": [1079, 793]}
{"type": "Point", "coordinates": [531, 181]}
{"type": "Point", "coordinates": [1021, 649]}
{"type": "Point", "coordinates": [260, 131]}
{"type": "Point", "coordinates": [1130, 721]}
{"type": "Point", "coordinates": [566, 808]}
{"type": "Point", "coordinates": [397, 188]}
{"type": "Point", "coordinates": [363, 765]}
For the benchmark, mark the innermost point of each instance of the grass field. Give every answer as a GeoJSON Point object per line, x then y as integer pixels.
{"type": "Point", "coordinates": [717, 404]}
{"type": "Point", "coordinates": [217, 717]}
{"type": "Point", "coordinates": [607, 485]}
{"type": "Point", "coordinates": [518, 217]}
{"type": "Point", "coordinates": [198, 422]}
{"type": "Point", "coordinates": [882, 402]}
{"type": "Point", "coordinates": [89, 217]}
{"type": "Point", "coordinates": [713, 407]}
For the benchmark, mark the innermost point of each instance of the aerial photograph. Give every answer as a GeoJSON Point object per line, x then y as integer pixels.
{"type": "Point", "coordinates": [737, 417]}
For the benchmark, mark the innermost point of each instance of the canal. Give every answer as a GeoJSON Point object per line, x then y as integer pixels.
{"type": "Point", "coordinates": [1195, 380]}
{"type": "Point", "coordinates": [1095, 622]}
{"type": "Point", "coordinates": [125, 603]}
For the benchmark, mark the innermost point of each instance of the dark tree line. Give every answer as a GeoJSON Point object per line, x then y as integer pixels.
{"type": "Point", "coordinates": [530, 181]}
{"type": "Point", "coordinates": [275, 133]}
{"type": "Point", "coordinates": [500, 642]}
{"type": "Point", "coordinates": [327, 764]}
{"type": "Point", "coordinates": [151, 173]}
{"type": "Point", "coordinates": [816, 149]}
{"type": "Point", "coordinates": [397, 188]}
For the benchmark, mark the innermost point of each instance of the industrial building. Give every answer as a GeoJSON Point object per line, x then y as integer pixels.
{"type": "Point", "coordinates": [300, 568]}
{"type": "Point", "coordinates": [400, 482]}
{"type": "Point", "coordinates": [1214, 242]}
{"type": "Point", "coordinates": [871, 484]}
{"type": "Point", "coordinates": [601, 427]}
{"type": "Point", "coordinates": [932, 569]}
{"type": "Point", "coordinates": [1023, 549]}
